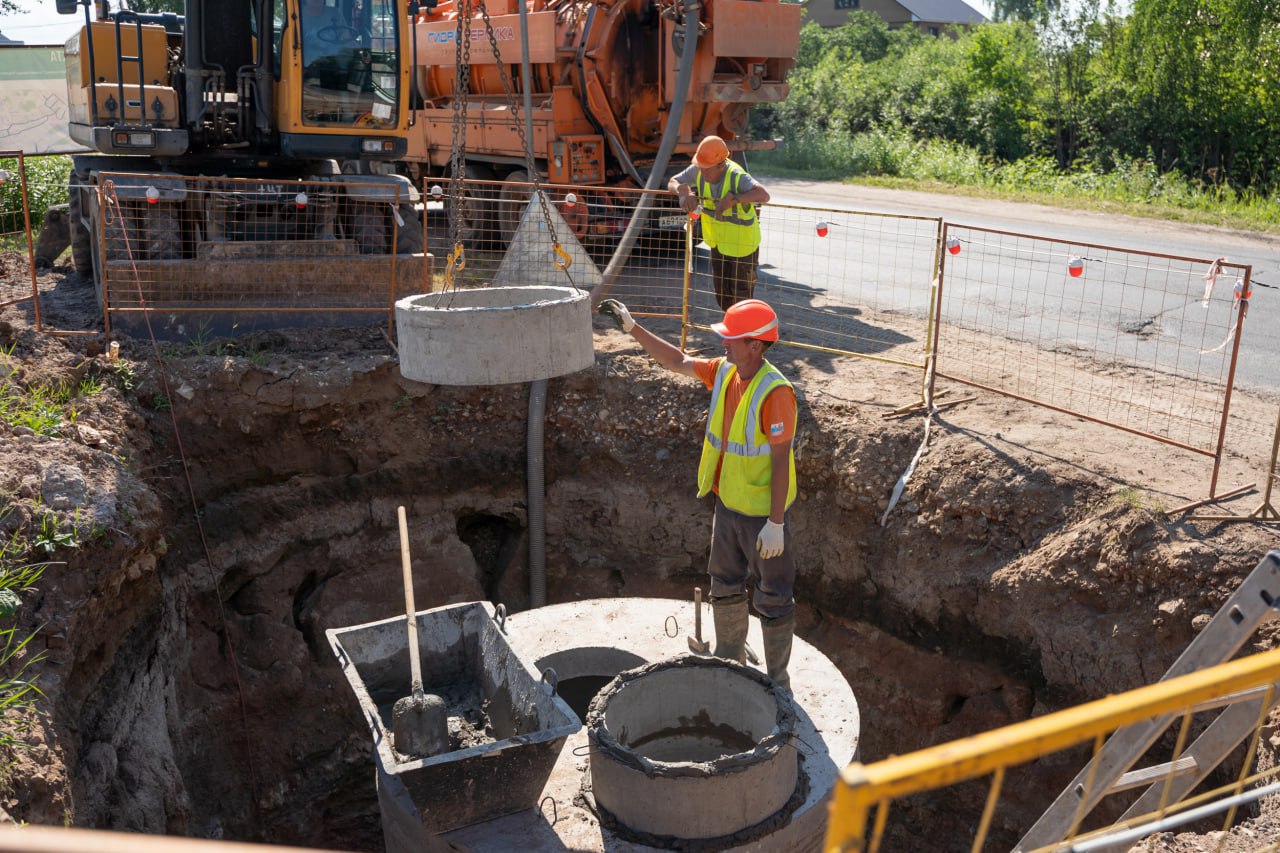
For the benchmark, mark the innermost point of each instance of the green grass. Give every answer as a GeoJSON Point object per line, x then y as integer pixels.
{"type": "Point", "coordinates": [891, 158]}
{"type": "Point", "coordinates": [18, 689]}
{"type": "Point", "coordinates": [43, 408]}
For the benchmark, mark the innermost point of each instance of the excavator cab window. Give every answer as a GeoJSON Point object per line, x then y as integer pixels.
{"type": "Point", "coordinates": [350, 64]}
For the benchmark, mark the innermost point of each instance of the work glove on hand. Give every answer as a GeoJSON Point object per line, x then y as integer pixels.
{"type": "Point", "coordinates": [688, 203]}
{"type": "Point", "coordinates": [618, 312]}
{"type": "Point", "coordinates": [770, 542]}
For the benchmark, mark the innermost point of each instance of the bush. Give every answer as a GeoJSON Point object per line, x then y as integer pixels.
{"type": "Point", "coordinates": [46, 186]}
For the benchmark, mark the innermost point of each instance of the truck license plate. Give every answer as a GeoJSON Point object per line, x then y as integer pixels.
{"type": "Point", "coordinates": [672, 222]}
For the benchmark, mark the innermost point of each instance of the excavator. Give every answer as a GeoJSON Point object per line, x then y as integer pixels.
{"type": "Point", "coordinates": [374, 96]}
{"type": "Point", "coordinates": [279, 92]}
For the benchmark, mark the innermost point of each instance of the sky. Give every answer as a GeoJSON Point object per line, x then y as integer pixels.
{"type": "Point", "coordinates": [42, 24]}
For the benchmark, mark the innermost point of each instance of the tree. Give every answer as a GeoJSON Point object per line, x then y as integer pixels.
{"type": "Point", "coordinates": [9, 7]}
{"type": "Point", "coordinates": [1023, 10]}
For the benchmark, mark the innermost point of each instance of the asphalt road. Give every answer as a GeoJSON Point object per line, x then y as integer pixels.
{"type": "Point", "coordinates": [1259, 365]}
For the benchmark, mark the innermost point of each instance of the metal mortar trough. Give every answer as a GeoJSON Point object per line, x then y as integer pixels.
{"type": "Point", "coordinates": [507, 726]}
{"type": "Point", "coordinates": [693, 748]}
{"type": "Point", "coordinates": [494, 335]}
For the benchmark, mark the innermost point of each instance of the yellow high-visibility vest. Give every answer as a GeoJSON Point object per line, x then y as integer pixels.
{"type": "Point", "coordinates": [736, 232]}
{"type": "Point", "coordinates": [746, 470]}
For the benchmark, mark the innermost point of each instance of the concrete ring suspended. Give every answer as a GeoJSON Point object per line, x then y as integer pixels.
{"type": "Point", "coordinates": [494, 335]}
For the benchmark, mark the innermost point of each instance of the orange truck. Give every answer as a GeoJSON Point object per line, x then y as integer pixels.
{"type": "Point", "coordinates": [603, 85]}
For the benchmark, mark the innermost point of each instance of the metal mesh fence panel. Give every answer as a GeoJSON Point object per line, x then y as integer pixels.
{"type": "Point", "coordinates": [1141, 341]}
{"type": "Point", "coordinates": [187, 245]}
{"type": "Point", "coordinates": [486, 216]}
{"type": "Point", "coordinates": [17, 270]}
{"type": "Point", "coordinates": [851, 282]}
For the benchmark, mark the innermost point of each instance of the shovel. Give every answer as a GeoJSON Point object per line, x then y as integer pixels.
{"type": "Point", "coordinates": [419, 721]}
{"type": "Point", "coordinates": [696, 644]}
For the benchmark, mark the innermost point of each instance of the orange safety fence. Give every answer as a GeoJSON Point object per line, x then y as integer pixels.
{"type": "Point", "coordinates": [17, 246]}
{"type": "Point", "coordinates": [240, 252]}
{"type": "Point", "coordinates": [1140, 341]}
{"type": "Point", "coordinates": [651, 283]}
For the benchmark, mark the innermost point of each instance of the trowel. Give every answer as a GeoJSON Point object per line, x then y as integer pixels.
{"type": "Point", "coordinates": [419, 721]}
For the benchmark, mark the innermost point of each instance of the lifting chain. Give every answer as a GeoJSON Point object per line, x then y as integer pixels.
{"type": "Point", "coordinates": [562, 258]}
{"type": "Point", "coordinates": [459, 204]}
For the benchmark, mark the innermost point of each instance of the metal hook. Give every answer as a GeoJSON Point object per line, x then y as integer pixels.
{"type": "Point", "coordinates": [562, 259]}
{"type": "Point", "coordinates": [550, 677]}
{"type": "Point", "coordinates": [582, 750]}
{"type": "Point", "coordinates": [455, 263]}
{"type": "Point", "coordinates": [808, 750]}
{"type": "Point", "coordinates": [555, 815]}
{"type": "Point", "coordinates": [500, 616]}
{"type": "Point", "coordinates": [671, 626]}
{"type": "Point", "coordinates": [109, 201]}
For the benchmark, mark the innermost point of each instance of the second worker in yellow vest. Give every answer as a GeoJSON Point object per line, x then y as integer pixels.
{"type": "Point", "coordinates": [727, 196]}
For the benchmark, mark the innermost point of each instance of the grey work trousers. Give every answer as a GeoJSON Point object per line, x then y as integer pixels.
{"type": "Point", "coordinates": [735, 559]}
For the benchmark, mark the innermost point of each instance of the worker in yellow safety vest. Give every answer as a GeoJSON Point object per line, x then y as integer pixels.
{"type": "Point", "coordinates": [747, 461]}
{"type": "Point", "coordinates": [727, 196]}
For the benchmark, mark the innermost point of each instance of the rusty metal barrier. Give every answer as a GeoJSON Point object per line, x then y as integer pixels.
{"type": "Point", "coordinates": [1139, 341]}
{"type": "Point", "coordinates": [18, 281]}
{"type": "Point", "coordinates": [242, 252]}
{"type": "Point", "coordinates": [652, 282]}
{"type": "Point", "coordinates": [1265, 512]}
{"type": "Point", "coordinates": [846, 282]}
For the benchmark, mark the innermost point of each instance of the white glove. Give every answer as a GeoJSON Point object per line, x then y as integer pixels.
{"type": "Point", "coordinates": [618, 312]}
{"type": "Point", "coordinates": [770, 542]}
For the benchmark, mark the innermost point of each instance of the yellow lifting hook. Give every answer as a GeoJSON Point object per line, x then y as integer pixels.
{"type": "Point", "coordinates": [456, 263]}
{"type": "Point", "coordinates": [562, 259]}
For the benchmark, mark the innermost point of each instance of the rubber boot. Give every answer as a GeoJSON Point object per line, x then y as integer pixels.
{"type": "Point", "coordinates": [730, 615]}
{"type": "Point", "coordinates": [778, 634]}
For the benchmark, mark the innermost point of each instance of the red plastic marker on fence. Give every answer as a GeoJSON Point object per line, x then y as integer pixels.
{"type": "Point", "coordinates": [953, 246]}
{"type": "Point", "coordinates": [1075, 267]}
{"type": "Point", "coordinates": [822, 229]}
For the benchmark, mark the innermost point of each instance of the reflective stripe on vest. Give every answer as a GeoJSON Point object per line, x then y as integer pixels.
{"type": "Point", "coordinates": [744, 456]}
{"type": "Point", "coordinates": [736, 232]}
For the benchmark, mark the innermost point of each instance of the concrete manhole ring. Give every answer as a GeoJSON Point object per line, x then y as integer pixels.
{"type": "Point", "coordinates": [693, 749]}
{"type": "Point", "coordinates": [494, 335]}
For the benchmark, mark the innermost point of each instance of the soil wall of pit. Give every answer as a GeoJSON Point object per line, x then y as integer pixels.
{"type": "Point", "coordinates": [190, 690]}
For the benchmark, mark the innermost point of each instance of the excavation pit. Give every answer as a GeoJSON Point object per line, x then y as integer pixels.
{"type": "Point", "coordinates": [669, 739]}
{"type": "Point", "coordinates": [977, 604]}
{"type": "Point", "coordinates": [494, 335]}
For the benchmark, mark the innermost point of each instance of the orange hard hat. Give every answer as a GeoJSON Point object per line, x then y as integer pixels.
{"type": "Point", "coordinates": [711, 152]}
{"type": "Point", "coordinates": [749, 318]}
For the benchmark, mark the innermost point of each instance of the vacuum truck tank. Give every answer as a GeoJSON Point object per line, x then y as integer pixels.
{"type": "Point", "coordinates": [603, 81]}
